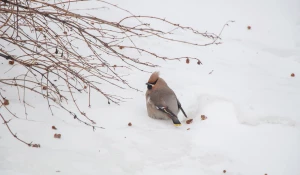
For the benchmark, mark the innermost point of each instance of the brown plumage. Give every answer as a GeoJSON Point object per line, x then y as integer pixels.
{"type": "Point", "coordinates": [154, 77]}
{"type": "Point", "coordinates": [161, 100]}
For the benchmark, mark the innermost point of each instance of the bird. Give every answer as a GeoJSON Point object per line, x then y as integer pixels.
{"type": "Point", "coordinates": [161, 100]}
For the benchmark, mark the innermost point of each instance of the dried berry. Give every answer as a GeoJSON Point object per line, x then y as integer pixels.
{"type": "Point", "coordinates": [249, 27]}
{"type": "Point", "coordinates": [36, 145]}
{"type": "Point", "coordinates": [188, 129]}
{"type": "Point", "coordinates": [6, 102]}
{"type": "Point", "coordinates": [224, 171]}
{"type": "Point", "coordinates": [53, 127]}
{"type": "Point", "coordinates": [292, 75]}
{"type": "Point", "coordinates": [189, 121]}
{"type": "Point", "coordinates": [129, 124]}
{"type": "Point", "coordinates": [203, 117]}
{"type": "Point", "coordinates": [11, 62]}
{"type": "Point", "coordinates": [121, 47]}
{"type": "Point", "coordinates": [57, 136]}
{"type": "Point", "coordinates": [187, 61]}
{"type": "Point", "coordinates": [199, 62]}
{"type": "Point", "coordinates": [44, 88]}
{"type": "Point", "coordinates": [39, 29]}
{"type": "Point", "coordinates": [65, 32]}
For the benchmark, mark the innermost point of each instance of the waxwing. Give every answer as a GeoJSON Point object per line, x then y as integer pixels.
{"type": "Point", "coordinates": [161, 100]}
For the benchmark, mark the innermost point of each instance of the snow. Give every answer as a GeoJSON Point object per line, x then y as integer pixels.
{"type": "Point", "coordinates": [250, 100]}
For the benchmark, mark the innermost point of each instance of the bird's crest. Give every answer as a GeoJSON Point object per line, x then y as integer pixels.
{"type": "Point", "coordinates": [154, 77]}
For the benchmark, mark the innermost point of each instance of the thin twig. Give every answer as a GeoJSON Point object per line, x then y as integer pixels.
{"type": "Point", "coordinates": [15, 135]}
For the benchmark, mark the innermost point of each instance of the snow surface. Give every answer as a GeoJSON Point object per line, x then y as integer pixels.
{"type": "Point", "coordinates": [251, 101]}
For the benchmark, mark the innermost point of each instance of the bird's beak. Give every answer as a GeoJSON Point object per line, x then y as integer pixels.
{"type": "Point", "coordinates": [148, 84]}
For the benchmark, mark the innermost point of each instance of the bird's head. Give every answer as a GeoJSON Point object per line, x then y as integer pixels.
{"type": "Point", "coordinates": [152, 80]}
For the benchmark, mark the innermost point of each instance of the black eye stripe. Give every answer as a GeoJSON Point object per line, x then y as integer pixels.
{"type": "Point", "coordinates": [155, 82]}
{"type": "Point", "coordinates": [152, 83]}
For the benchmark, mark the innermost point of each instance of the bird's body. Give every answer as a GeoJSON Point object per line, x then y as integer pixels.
{"type": "Point", "coordinates": [161, 101]}
{"type": "Point", "coordinates": [161, 98]}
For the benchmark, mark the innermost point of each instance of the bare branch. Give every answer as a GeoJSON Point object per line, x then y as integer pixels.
{"type": "Point", "coordinates": [59, 52]}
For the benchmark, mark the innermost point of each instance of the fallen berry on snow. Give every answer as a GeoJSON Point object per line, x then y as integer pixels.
{"type": "Point", "coordinates": [129, 124]}
{"type": "Point", "coordinates": [203, 117]}
{"type": "Point", "coordinates": [189, 121]}
{"type": "Point", "coordinates": [57, 136]}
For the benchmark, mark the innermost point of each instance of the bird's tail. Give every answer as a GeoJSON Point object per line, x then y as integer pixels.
{"type": "Point", "coordinates": [175, 120]}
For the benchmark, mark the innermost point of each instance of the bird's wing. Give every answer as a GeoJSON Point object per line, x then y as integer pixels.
{"type": "Point", "coordinates": [166, 110]}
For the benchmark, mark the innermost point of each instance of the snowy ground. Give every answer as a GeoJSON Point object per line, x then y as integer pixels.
{"type": "Point", "coordinates": [251, 101]}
